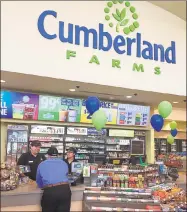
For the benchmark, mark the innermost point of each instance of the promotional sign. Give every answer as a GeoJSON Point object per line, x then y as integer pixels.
{"type": "Point", "coordinates": [110, 109]}
{"type": "Point", "coordinates": [70, 110]}
{"type": "Point", "coordinates": [133, 115]}
{"type": "Point", "coordinates": [93, 131]}
{"type": "Point", "coordinates": [77, 131]}
{"type": "Point", "coordinates": [121, 133]}
{"type": "Point", "coordinates": [43, 129]}
{"type": "Point", "coordinates": [19, 105]}
{"type": "Point", "coordinates": [59, 109]}
{"type": "Point", "coordinates": [49, 108]}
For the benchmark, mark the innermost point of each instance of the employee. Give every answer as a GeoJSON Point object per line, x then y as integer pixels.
{"type": "Point", "coordinates": [70, 157]}
{"type": "Point", "coordinates": [52, 177]}
{"type": "Point", "coordinates": [32, 159]}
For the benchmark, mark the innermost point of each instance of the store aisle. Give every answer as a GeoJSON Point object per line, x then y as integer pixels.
{"type": "Point", "coordinates": [75, 206]}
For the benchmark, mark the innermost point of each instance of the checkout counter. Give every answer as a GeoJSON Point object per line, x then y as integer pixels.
{"type": "Point", "coordinates": [30, 194]}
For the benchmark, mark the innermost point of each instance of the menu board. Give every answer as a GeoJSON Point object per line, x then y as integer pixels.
{"type": "Point", "coordinates": [17, 105]}
{"type": "Point", "coordinates": [133, 115]}
{"type": "Point", "coordinates": [59, 109]}
{"type": "Point", "coordinates": [137, 147]}
{"type": "Point", "coordinates": [109, 108]}
{"type": "Point", "coordinates": [28, 106]}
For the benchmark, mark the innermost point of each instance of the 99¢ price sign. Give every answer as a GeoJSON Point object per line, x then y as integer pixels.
{"type": "Point", "coordinates": [49, 107]}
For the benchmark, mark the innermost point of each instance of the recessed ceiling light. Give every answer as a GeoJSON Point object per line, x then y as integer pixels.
{"type": "Point", "coordinates": [72, 90]}
{"type": "Point", "coordinates": [3, 81]}
{"type": "Point", "coordinates": [175, 102]}
{"type": "Point", "coordinates": [128, 97]}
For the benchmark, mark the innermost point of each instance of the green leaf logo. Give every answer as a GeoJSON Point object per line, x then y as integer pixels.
{"type": "Point", "coordinates": [121, 15]}
{"type": "Point", "coordinates": [124, 22]}
{"type": "Point", "coordinates": [116, 17]}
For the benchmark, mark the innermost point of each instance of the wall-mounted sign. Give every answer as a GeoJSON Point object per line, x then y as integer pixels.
{"type": "Point", "coordinates": [134, 115]}
{"type": "Point", "coordinates": [109, 108]}
{"type": "Point", "coordinates": [43, 129]}
{"type": "Point", "coordinates": [93, 131]}
{"type": "Point", "coordinates": [59, 109]}
{"type": "Point", "coordinates": [19, 105]}
{"type": "Point", "coordinates": [121, 133]}
{"type": "Point", "coordinates": [77, 131]}
{"type": "Point", "coordinates": [17, 127]}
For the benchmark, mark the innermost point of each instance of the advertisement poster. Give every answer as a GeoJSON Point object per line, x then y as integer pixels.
{"type": "Point", "coordinates": [110, 109]}
{"type": "Point", "coordinates": [70, 110]}
{"type": "Point", "coordinates": [59, 109]}
{"type": "Point", "coordinates": [133, 115]}
{"type": "Point", "coordinates": [19, 105]}
{"type": "Point", "coordinates": [49, 108]}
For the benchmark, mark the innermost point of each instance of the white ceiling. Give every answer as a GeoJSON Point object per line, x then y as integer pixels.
{"type": "Point", "coordinates": [178, 8]}
{"type": "Point", "coordinates": [36, 84]}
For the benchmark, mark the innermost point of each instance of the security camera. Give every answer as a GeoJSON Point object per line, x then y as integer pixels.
{"type": "Point", "coordinates": [77, 86]}
{"type": "Point", "coordinates": [135, 94]}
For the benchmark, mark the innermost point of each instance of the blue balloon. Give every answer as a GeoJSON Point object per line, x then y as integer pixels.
{"type": "Point", "coordinates": [92, 104]}
{"type": "Point", "coordinates": [174, 132]}
{"type": "Point", "coordinates": [157, 122]}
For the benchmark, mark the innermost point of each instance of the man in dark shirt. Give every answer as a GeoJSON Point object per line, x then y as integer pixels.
{"type": "Point", "coordinates": [70, 158]}
{"type": "Point", "coordinates": [52, 177]}
{"type": "Point", "coordinates": [32, 159]}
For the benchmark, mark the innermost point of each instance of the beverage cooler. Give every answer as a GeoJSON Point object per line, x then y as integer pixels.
{"type": "Point", "coordinates": [17, 141]}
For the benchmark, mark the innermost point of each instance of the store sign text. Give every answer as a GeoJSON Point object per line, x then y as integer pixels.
{"type": "Point", "coordinates": [104, 41]}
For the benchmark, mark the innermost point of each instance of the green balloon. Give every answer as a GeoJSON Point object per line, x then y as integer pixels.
{"type": "Point", "coordinates": [165, 109]}
{"type": "Point", "coordinates": [170, 139]}
{"type": "Point", "coordinates": [173, 125]}
{"type": "Point", "coordinates": [99, 119]}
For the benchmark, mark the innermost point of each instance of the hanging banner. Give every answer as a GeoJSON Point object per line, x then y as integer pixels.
{"type": "Point", "coordinates": [19, 105]}
{"type": "Point", "coordinates": [109, 108]}
{"type": "Point", "coordinates": [134, 115]}
{"type": "Point", "coordinates": [59, 109]}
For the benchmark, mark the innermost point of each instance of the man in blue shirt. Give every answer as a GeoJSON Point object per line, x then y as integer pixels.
{"type": "Point", "coordinates": [52, 177]}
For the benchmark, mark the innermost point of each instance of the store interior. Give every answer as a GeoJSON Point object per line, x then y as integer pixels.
{"type": "Point", "coordinates": [126, 165]}
{"type": "Point", "coordinates": [114, 145]}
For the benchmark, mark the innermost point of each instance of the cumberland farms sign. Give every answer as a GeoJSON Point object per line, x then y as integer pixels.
{"type": "Point", "coordinates": [122, 17]}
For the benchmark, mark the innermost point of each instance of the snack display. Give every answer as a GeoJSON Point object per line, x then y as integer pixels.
{"type": "Point", "coordinates": [171, 160]}
{"type": "Point", "coordinates": [127, 176]}
{"type": "Point", "coordinates": [9, 177]}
